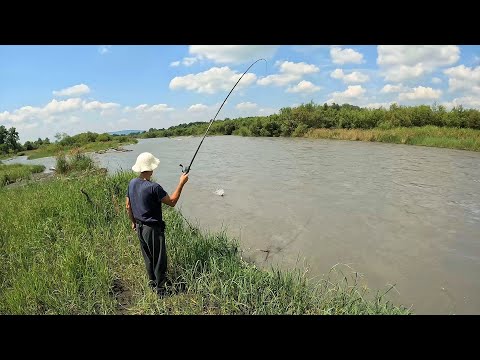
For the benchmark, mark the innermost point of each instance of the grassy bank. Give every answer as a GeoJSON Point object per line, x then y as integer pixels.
{"type": "Point", "coordinates": [54, 149]}
{"type": "Point", "coordinates": [452, 138]}
{"type": "Point", "coordinates": [11, 173]}
{"type": "Point", "coordinates": [71, 251]}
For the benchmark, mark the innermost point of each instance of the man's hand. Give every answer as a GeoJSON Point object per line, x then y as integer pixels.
{"type": "Point", "coordinates": [134, 226]}
{"type": "Point", "coordinates": [183, 178]}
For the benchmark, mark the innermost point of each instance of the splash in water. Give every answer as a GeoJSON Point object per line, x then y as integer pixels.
{"type": "Point", "coordinates": [219, 192]}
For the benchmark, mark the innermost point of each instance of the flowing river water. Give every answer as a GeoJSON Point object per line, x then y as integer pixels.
{"type": "Point", "coordinates": [396, 214]}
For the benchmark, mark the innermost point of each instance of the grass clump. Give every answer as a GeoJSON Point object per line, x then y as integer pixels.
{"type": "Point", "coordinates": [14, 172]}
{"type": "Point", "coordinates": [75, 162]}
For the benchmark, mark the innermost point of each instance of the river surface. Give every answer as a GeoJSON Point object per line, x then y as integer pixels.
{"type": "Point", "coordinates": [398, 215]}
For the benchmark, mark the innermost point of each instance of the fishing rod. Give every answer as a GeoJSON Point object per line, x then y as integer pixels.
{"type": "Point", "coordinates": [186, 169]}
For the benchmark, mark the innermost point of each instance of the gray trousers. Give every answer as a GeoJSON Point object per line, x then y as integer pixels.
{"type": "Point", "coordinates": [152, 244]}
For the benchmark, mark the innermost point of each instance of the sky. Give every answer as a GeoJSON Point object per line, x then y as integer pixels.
{"type": "Point", "coordinates": [46, 89]}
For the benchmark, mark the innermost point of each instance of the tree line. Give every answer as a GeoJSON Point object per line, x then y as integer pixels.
{"type": "Point", "coordinates": [9, 140]}
{"type": "Point", "coordinates": [296, 121]}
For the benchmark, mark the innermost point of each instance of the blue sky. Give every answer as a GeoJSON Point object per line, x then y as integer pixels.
{"type": "Point", "coordinates": [49, 89]}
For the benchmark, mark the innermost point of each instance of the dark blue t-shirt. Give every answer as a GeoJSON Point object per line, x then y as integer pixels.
{"type": "Point", "coordinates": [145, 200]}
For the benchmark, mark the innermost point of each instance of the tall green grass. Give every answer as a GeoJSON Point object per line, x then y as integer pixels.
{"type": "Point", "coordinates": [453, 138]}
{"type": "Point", "coordinates": [11, 173]}
{"type": "Point", "coordinates": [76, 161]}
{"type": "Point", "coordinates": [69, 249]}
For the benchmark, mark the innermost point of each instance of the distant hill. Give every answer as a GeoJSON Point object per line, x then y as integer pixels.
{"type": "Point", "coordinates": [125, 132]}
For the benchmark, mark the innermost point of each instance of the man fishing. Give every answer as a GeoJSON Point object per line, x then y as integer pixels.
{"type": "Point", "coordinates": [144, 207]}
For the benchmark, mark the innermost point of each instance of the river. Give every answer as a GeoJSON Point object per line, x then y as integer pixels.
{"type": "Point", "coordinates": [399, 215]}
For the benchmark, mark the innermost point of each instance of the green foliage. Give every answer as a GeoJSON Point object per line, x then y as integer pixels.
{"type": "Point", "coordinates": [298, 120]}
{"type": "Point", "coordinates": [77, 161]}
{"type": "Point", "coordinates": [11, 173]}
{"type": "Point", "coordinates": [9, 140]}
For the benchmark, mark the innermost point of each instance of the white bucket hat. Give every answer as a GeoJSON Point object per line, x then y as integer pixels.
{"type": "Point", "coordinates": [145, 162]}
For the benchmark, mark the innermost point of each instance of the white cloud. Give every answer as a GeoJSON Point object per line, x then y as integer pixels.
{"type": "Point", "coordinates": [212, 80]}
{"type": "Point", "coordinates": [197, 108]}
{"type": "Point", "coordinates": [289, 72]}
{"type": "Point", "coordinates": [97, 105]}
{"type": "Point", "coordinates": [403, 72]}
{"type": "Point", "coordinates": [188, 61]}
{"type": "Point", "coordinates": [141, 107]}
{"type": "Point", "coordinates": [27, 126]}
{"type": "Point", "coordinates": [466, 101]}
{"type": "Point", "coordinates": [104, 49]}
{"type": "Point", "coordinates": [353, 77]}
{"type": "Point", "coordinates": [402, 62]}
{"type": "Point", "coordinates": [278, 79]}
{"type": "Point", "coordinates": [420, 93]}
{"type": "Point", "coordinates": [354, 93]}
{"type": "Point", "coordinates": [246, 106]}
{"type": "Point", "coordinates": [464, 78]}
{"type": "Point", "coordinates": [4, 116]}
{"type": "Point", "coordinates": [267, 111]}
{"type": "Point", "coordinates": [123, 121]}
{"type": "Point", "coordinates": [74, 119]}
{"type": "Point", "coordinates": [235, 54]}
{"type": "Point", "coordinates": [153, 108]}
{"type": "Point", "coordinates": [436, 80]}
{"type": "Point", "coordinates": [75, 90]}
{"type": "Point", "coordinates": [54, 107]}
{"type": "Point", "coordinates": [303, 87]}
{"type": "Point", "coordinates": [300, 68]}
{"type": "Point", "coordinates": [385, 105]}
{"type": "Point", "coordinates": [389, 88]}
{"type": "Point", "coordinates": [345, 56]}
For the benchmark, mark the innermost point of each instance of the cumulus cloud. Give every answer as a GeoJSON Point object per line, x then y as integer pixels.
{"type": "Point", "coordinates": [345, 56]}
{"type": "Point", "coordinates": [212, 80]}
{"type": "Point", "coordinates": [97, 105]}
{"type": "Point", "coordinates": [389, 88]}
{"type": "Point", "coordinates": [289, 72]}
{"type": "Point", "coordinates": [436, 80]}
{"type": "Point", "coordinates": [378, 105]}
{"type": "Point", "coordinates": [403, 62]}
{"type": "Point", "coordinates": [420, 93]}
{"type": "Point", "coordinates": [246, 106]}
{"type": "Point", "coordinates": [154, 108]}
{"type": "Point", "coordinates": [234, 54]}
{"type": "Point", "coordinates": [303, 87]}
{"type": "Point", "coordinates": [354, 93]}
{"type": "Point", "coordinates": [466, 101]}
{"type": "Point", "coordinates": [353, 77]}
{"type": "Point", "coordinates": [197, 108]}
{"type": "Point", "coordinates": [75, 90]}
{"type": "Point", "coordinates": [52, 108]}
{"type": "Point", "coordinates": [464, 78]}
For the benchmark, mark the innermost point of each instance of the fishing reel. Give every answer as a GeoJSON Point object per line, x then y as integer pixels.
{"type": "Point", "coordinates": [185, 169]}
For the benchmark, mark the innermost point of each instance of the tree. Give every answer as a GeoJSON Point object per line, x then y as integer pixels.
{"type": "Point", "coordinates": [12, 139]}
{"type": "Point", "coordinates": [28, 145]}
{"type": "Point", "coordinates": [3, 134]}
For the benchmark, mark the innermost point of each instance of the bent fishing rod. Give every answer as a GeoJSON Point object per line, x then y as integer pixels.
{"type": "Point", "coordinates": [187, 169]}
